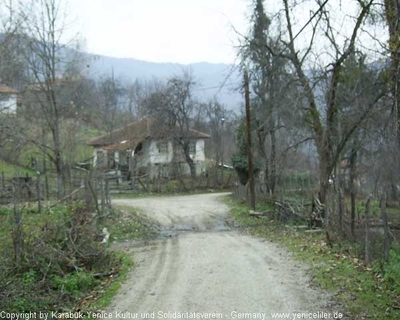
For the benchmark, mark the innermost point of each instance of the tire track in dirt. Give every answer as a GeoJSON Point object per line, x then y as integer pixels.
{"type": "Point", "coordinates": [213, 270]}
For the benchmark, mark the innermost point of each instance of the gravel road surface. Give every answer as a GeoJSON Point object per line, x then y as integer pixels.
{"type": "Point", "coordinates": [202, 267]}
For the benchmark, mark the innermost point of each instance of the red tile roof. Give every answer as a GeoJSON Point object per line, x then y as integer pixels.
{"type": "Point", "coordinates": [136, 132]}
{"type": "Point", "coordinates": [6, 89]}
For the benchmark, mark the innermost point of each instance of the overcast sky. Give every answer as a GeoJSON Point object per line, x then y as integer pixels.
{"type": "Point", "coordinates": [187, 31]}
{"type": "Point", "coordinates": [182, 31]}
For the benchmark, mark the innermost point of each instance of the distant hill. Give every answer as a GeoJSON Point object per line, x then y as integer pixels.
{"type": "Point", "coordinates": [210, 76]}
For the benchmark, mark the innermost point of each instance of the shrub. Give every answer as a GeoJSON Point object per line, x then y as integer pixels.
{"type": "Point", "coordinates": [171, 186]}
{"type": "Point", "coordinates": [390, 271]}
{"type": "Point", "coordinates": [29, 277]}
{"type": "Point", "coordinates": [73, 283]}
{"type": "Point", "coordinates": [61, 250]}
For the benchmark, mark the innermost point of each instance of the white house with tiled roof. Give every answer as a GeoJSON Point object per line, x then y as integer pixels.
{"type": "Point", "coordinates": [8, 100]}
{"type": "Point", "coordinates": [148, 147]}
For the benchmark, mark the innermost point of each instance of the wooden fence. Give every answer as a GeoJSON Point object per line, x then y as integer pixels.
{"type": "Point", "coordinates": [92, 187]}
{"type": "Point", "coordinates": [213, 180]}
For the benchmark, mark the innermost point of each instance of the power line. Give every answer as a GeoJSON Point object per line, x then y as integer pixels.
{"type": "Point", "coordinates": [312, 17]}
{"type": "Point", "coordinates": [217, 87]}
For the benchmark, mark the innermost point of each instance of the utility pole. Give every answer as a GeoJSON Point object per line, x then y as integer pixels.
{"type": "Point", "coordinates": [222, 151]}
{"type": "Point", "coordinates": [249, 152]}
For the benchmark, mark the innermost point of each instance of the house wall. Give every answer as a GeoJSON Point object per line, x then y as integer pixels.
{"type": "Point", "coordinates": [158, 164]}
{"type": "Point", "coordinates": [200, 157]}
{"type": "Point", "coordinates": [200, 150]}
{"type": "Point", "coordinates": [143, 158]}
{"type": "Point", "coordinates": [150, 161]}
{"type": "Point", "coordinates": [164, 164]}
{"type": "Point", "coordinates": [156, 156]}
{"type": "Point", "coordinates": [105, 157]}
{"type": "Point", "coordinates": [95, 157]}
{"type": "Point", "coordinates": [8, 103]}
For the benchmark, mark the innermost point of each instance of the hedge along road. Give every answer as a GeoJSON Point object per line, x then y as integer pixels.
{"type": "Point", "coordinates": [203, 267]}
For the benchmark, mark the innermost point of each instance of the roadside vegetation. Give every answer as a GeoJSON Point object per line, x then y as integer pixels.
{"type": "Point", "coordinates": [65, 262]}
{"type": "Point", "coordinates": [364, 291]}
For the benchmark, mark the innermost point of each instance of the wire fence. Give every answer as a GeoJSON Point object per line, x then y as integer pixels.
{"type": "Point", "coordinates": [369, 221]}
{"type": "Point", "coordinates": [304, 184]}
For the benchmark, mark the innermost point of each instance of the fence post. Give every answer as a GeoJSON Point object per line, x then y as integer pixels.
{"type": "Point", "coordinates": [108, 200]}
{"type": "Point", "coordinates": [102, 194]}
{"type": "Point", "coordinates": [46, 186]}
{"type": "Point", "coordinates": [88, 195]}
{"type": "Point", "coordinates": [90, 191]}
{"type": "Point", "coordinates": [367, 250]}
{"type": "Point", "coordinates": [17, 226]}
{"type": "Point", "coordinates": [39, 194]}
{"type": "Point", "coordinates": [340, 210]}
{"type": "Point", "coordinates": [28, 187]}
{"type": "Point", "coordinates": [386, 243]}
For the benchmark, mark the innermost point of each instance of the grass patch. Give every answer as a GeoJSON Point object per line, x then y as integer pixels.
{"type": "Point", "coordinates": [126, 223]}
{"type": "Point", "coordinates": [111, 289]}
{"type": "Point", "coordinates": [367, 292]}
{"type": "Point", "coordinates": [11, 170]}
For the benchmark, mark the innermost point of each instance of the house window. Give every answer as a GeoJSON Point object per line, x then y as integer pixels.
{"type": "Point", "coordinates": [100, 158]}
{"type": "Point", "coordinates": [177, 149]}
{"type": "Point", "coordinates": [192, 147]}
{"type": "Point", "coordinates": [162, 147]}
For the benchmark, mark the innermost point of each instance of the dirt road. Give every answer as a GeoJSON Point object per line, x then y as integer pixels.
{"type": "Point", "coordinates": [204, 267]}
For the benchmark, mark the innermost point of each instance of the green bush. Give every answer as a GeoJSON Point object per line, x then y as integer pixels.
{"type": "Point", "coordinates": [390, 271]}
{"type": "Point", "coordinates": [171, 186]}
{"type": "Point", "coordinates": [29, 277]}
{"type": "Point", "coordinates": [73, 282]}
{"type": "Point", "coordinates": [5, 211]}
{"type": "Point", "coordinates": [21, 305]}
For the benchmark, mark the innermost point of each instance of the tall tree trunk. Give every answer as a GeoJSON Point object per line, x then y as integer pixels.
{"type": "Point", "coordinates": [387, 242]}
{"type": "Point", "coordinates": [272, 181]}
{"type": "Point", "coordinates": [266, 175]}
{"type": "Point", "coordinates": [392, 14]}
{"type": "Point", "coordinates": [189, 161]}
{"type": "Point", "coordinates": [324, 174]}
{"type": "Point", "coordinates": [58, 161]}
{"type": "Point", "coordinates": [261, 137]}
{"type": "Point", "coordinates": [353, 160]}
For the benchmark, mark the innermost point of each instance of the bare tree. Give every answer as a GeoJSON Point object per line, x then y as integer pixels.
{"type": "Point", "coordinates": [324, 125]}
{"type": "Point", "coordinates": [175, 105]}
{"type": "Point", "coordinates": [110, 92]}
{"type": "Point", "coordinates": [270, 82]}
{"type": "Point", "coordinates": [217, 116]}
{"type": "Point", "coordinates": [134, 96]}
{"type": "Point", "coordinates": [43, 26]}
{"type": "Point", "coordinates": [12, 67]}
